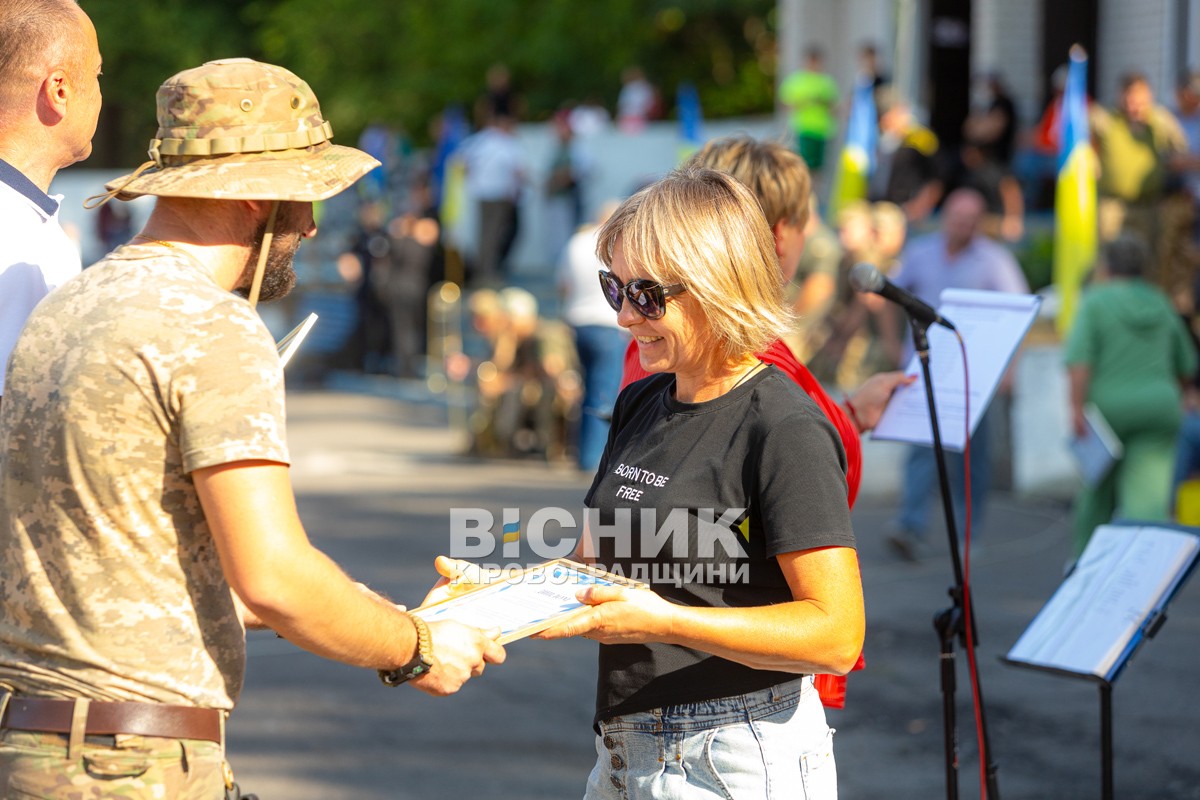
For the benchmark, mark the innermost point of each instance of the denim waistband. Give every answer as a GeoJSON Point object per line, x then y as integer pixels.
{"type": "Point", "coordinates": [720, 711]}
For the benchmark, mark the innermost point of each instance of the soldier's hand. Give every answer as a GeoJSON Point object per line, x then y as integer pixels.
{"type": "Point", "coordinates": [460, 653]}
{"type": "Point", "coordinates": [456, 577]}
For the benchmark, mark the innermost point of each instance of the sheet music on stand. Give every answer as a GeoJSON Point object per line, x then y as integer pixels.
{"type": "Point", "coordinates": [1110, 602]}
{"type": "Point", "coordinates": [290, 343]}
{"type": "Point", "coordinates": [992, 325]}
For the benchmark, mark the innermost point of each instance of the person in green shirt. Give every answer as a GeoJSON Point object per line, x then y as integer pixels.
{"type": "Point", "coordinates": [811, 94]}
{"type": "Point", "coordinates": [1129, 354]}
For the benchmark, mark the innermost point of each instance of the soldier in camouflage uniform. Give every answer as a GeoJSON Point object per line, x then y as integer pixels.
{"type": "Point", "coordinates": [146, 512]}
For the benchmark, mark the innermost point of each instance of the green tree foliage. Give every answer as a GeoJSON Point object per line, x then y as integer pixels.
{"type": "Point", "coordinates": [144, 43]}
{"type": "Point", "coordinates": [402, 62]}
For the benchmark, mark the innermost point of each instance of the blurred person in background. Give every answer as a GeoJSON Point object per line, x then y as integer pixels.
{"type": "Point", "coordinates": [401, 280]}
{"type": "Point", "coordinates": [529, 388]}
{"type": "Point", "coordinates": [1136, 142]}
{"type": "Point", "coordinates": [813, 289]}
{"type": "Point", "coordinates": [566, 178]}
{"type": "Point", "coordinates": [863, 335]}
{"type": "Point", "coordinates": [869, 68]}
{"type": "Point", "coordinates": [114, 225]}
{"type": "Point", "coordinates": [986, 154]}
{"type": "Point", "coordinates": [1187, 112]}
{"type": "Point", "coordinates": [499, 98]}
{"type": "Point", "coordinates": [599, 340]}
{"type": "Point", "coordinates": [49, 105]}
{"type": "Point", "coordinates": [1180, 261]}
{"type": "Point", "coordinates": [1128, 353]}
{"type": "Point", "coordinates": [369, 346]}
{"type": "Point", "coordinates": [991, 123]}
{"type": "Point", "coordinates": [907, 171]}
{"type": "Point", "coordinates": [957, 256]}
{"type": "Point", "coordinates": [1036, 162]}
{"type": "Point", "coordinates": [811, 95]}
{"type": "Point", "coordinates": [856, 235]}
{"type": "Point", "coordinates": [638, 101]}
{"type": "Point", "coordinates": [589, 118]}
{"type": "Point", "coordinates": [496, 174]}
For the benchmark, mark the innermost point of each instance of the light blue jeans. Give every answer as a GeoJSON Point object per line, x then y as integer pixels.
{"type": "Point", "coordinates": [921, 484]}
{"type": "Point", "coordinates": [766, 745]}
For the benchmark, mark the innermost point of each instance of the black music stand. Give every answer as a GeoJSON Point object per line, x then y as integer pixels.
{"type": "Point", "coordinates": [950, 623]}
{"type": "Point", "coordinates": [1128, 571]}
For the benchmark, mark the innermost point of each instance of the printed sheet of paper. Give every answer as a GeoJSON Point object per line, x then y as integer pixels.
{"type": "Point", "coordinates": [1095, 617]}
{"type": "Point", "coordinates": [526, 602]}
{"type": "Point", "coordinates": [1098, 451]}
{"type": "Point", "coordinates": [289, 344]}
{"type": "Point", "coordinates": [992, 325]}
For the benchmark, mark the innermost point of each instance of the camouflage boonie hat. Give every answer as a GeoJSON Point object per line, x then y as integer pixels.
{"type": "Point", "coordinates": [238, 129]}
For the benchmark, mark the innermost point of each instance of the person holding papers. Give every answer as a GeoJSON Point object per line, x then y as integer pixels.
{"type": "Point", "coordinates": [146, 510]}
{"type": "Point", "coordinates": [1128, 353]}
{"type": "Point", "coordinates": [958, 256]}
{"type": "Point", "coordinates": [723, 485]}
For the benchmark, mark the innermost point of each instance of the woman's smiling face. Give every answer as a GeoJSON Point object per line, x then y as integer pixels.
{"type": "Point", "coordinates": [680, 342]}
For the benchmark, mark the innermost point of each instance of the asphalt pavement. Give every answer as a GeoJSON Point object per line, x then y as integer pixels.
{"type": "Point", "coordinates": [376, 478]}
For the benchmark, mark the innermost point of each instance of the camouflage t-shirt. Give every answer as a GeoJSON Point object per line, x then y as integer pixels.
{"type": "Point", "coordinates": [124, 381]}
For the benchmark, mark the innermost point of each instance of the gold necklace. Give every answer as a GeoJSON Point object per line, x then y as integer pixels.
{"type": "Point", "coordinates": [146, 238]}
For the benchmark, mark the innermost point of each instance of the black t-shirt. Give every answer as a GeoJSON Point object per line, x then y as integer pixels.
{"type": "Point", "coordinates": [712, 492]}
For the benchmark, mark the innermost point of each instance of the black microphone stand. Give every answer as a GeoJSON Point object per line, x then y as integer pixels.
{"type": "Point", "coordinates": [950, 623]}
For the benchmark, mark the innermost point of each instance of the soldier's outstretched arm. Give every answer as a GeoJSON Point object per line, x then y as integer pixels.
{"type": "Point", "coordinates": [299, 592]}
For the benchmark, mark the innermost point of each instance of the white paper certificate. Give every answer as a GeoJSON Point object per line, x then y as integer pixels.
{"type": "Point", "coordinates": [992, 325]}
{"type": "Point", "coordinates": [525, 602]}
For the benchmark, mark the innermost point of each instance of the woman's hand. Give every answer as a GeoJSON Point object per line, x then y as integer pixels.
{"type": "Point", "coordinates": [872, 397]}
{"type": "Point", "coordinates": [1079, 424]}
{"type": "Point", "coordinates": [618, 615]}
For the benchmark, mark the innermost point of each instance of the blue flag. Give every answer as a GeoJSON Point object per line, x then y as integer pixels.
{"type": "Point", "coordinates": [858, 153]}
{"type": "Point", "coordinates": [691, 119]}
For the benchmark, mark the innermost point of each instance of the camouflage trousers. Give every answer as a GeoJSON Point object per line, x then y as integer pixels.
{"type": "Point", "coordinates": [35, 766]}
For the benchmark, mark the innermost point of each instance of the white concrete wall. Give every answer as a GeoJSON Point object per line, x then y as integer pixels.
{"type": "Point", "coordinates": [1192, 56]}
{"type": "Point", "coordinates": [1006, 37]}
{"type": "Point", "coordinates": [1042, 465]}
{"type": "Point", "coordinates": [1133, 36]}
{"type": "Point", "coordinates": [838, 27]}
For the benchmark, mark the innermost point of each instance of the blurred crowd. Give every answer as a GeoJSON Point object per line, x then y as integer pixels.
{"type": "Point", "coordinates": [543, 356]}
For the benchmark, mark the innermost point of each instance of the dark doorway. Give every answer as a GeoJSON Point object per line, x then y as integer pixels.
{"type": "Point", "coordinates": [1064, 23]}
{"type": "Point", "coordinates": [949, 69]}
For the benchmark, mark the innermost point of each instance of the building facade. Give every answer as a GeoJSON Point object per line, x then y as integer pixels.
{"type": "Point", "coordinates": [932, 47]}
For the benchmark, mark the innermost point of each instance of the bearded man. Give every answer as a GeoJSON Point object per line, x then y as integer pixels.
{"type": "Point", "coordinates": [146, 511]}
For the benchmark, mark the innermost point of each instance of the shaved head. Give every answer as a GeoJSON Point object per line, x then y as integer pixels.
{"type": "Point", "coordinates": [34, 36]}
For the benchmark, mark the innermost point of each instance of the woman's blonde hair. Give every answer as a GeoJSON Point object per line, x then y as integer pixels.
{"type": "Point", "coordinates": [704, 229]}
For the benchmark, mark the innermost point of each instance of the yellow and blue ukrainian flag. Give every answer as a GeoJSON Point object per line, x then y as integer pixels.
{"type": "Point", "coordinates": [858, 153]}
{"type": "Point", "coordinates": [1075, 231]}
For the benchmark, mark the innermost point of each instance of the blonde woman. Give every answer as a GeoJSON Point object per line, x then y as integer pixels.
{"type": "Point", "coordinates": [723, 484]}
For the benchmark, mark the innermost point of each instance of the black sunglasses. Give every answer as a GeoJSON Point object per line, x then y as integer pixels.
{"type": "Point", "coordinates": [647, 297]}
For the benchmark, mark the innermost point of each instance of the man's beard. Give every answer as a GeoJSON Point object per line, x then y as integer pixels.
{"type": "Point", "coordinates": [279, 276]}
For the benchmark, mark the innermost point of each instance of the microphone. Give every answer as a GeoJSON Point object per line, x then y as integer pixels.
{"type": "Point", "coordinates": [865, 278]}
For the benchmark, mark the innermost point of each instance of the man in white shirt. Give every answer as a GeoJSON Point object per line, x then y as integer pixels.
{"type": "Point", "coordinates": [495, 175]}
{"type": "Point", "coordinates": [49, 103]}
